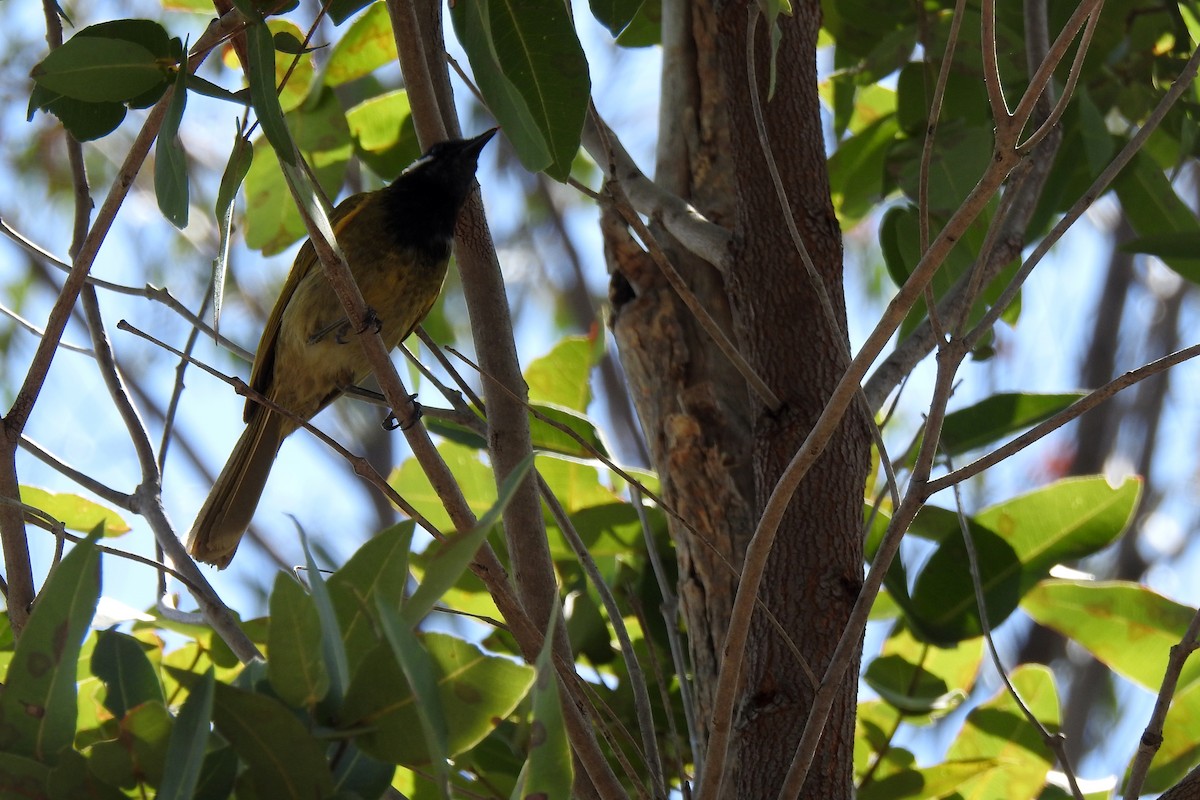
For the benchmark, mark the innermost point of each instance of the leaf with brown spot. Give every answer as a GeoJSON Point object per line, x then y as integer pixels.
{"type": "Point", "coordinates": [41, 675]}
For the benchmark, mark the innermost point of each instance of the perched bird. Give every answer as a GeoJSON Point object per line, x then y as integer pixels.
{"type": "Point", "coordinates": [397, 242]}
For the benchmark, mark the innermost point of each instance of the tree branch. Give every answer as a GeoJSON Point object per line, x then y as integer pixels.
{"type": "Point", "coordinates": [689, 227]}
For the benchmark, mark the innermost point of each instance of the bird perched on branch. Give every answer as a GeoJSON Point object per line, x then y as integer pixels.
{"type": "Point", "coordinates": [397, 243]}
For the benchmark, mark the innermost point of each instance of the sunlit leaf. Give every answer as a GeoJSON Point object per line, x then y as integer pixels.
{"type": "Point", "coordinates": [1105, 617]}
{"type": "Point", "coordinates": [75, 512]}
{"type": "Point", "coordinates": [477, 691]}
{"type": "Point", "coordinates": [296, 668]}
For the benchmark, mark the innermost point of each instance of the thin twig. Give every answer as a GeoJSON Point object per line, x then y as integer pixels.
{"type": "Point", "coordinates": [360, 465]}
{"type": "Point", "coordinates": [663, 682]}
{"type": "Point", "coordinates": [464, 387]}
{"type": "Point", "coordinates": [1098, 187]}
{"type": "Point", "coordinates": [810, 268]}
{"type": "Point", "coordinates": [147, 497]}
{"type": "Point", "coordinates": [101, 490]}
{"type": "Point", "coordinates": [637, 678]}
{"type": "Point", "coordinates": [1056, 742]}
{"type": "Point", "coordinates": [670, 613]}
{"type": "Point", "coordinates": [154, 293]}
{"type": "Point", "coordinates": [1083, 18]}
{"type": "Point", "coordinates": [1152, 737]}
{"type": "Point", "coordinates": [38, 332]}
{"type": "Point", "coordinates": [1071, 412]}
{"type": "Point", "coordinates": [688, 226]}
{"type": "Point", "coordinates": [935, 111]}
{"type": "Point", "coordinates": [1005, 236]}
{"type": "Point", "coordinates": [991, 65]}
{"type": "Point", "coordinates": [58, 528]}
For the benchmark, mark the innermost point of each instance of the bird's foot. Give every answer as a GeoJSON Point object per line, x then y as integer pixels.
{"type": "Point", "coordinates": [392, 421]}
{"type": "Point", "coordinates": [341, 328]}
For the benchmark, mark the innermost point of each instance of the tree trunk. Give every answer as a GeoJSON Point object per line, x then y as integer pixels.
{"type": "Point", "coordinates": [717, 447]}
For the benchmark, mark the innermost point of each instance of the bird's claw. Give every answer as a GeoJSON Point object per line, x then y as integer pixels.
{"type": "Point", "coordinates": [341, 328]}
{"type": "Point", "coordinates": [392, 422]}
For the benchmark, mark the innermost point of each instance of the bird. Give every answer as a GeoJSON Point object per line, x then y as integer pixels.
{"type": "Point", "coordinates": [397, 243]}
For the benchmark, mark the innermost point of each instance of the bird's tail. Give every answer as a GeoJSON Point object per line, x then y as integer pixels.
{"type": "Point", "coordinates": [230, 506]}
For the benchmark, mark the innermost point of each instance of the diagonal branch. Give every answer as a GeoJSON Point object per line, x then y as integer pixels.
{"type": "Point", "coordinates": [699, 236]}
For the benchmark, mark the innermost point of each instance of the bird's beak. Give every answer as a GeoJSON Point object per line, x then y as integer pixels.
{"type": "Point", "coordinates": [474, 146]}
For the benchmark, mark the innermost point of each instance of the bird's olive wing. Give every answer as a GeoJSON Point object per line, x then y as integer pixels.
{"type": "Point", "coordinates": [263, 371]}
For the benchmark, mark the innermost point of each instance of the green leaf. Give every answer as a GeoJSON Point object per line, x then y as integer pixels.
{"type": "Point", "coordinates": [189, 741]}
{"type": "Point", "coordinates": [935, 781]}
{"type": "Point", "coordinates": [296, 667]}
{"type": "Point", "coordinates": [454, 555]}
{"type": "Point", "coordinates": [143, 32]}
{"type": "Point", "coordinates": [355, 771]}
{"type": "Point", "coordinates": [209, 89]}
{"type": "Point", "coordinates": [86, 121]}
{"type": "Point", "coordinates": [1017, 543]}
{"type": "Point", "coordinates": [342, 10]}
{"type": "Point", "coordinates": [943, 609]}
{"type": "Point", "coordinates": [575, 483]}
{"type": "Point", "coordinates": [296, 90]}
{"type": "Point", "coordinates": [961, 154]}
{"type": "Point", "coordinates": [419, 671]}
{"type": "Point", "coordinates": [548, 771]}
{"type": "Point", "coordinates": [95, 69]}
{"type": "Point", "coordinates": [473, 27]}
{"type": "Point", "coordinates": [19, 775]}
{"type": "Point", "coordinates": [546, 432]}
{"type": "Point", "coordinates": [921, 679]}
{"type": "Point", "coordinates": [120, 661]}
{"type": "Point", "coordinates": [261, 75]}
{"type": "Point", "coordinates": [139, 751]}
{"type": "Point", "coordinates": [612, 530]}
{"type": "Point", "coordinates": [900, 240]}
{"type": "Point", "coordinates": [476, 691]}
{"type": "Point", "coordinates": [873, 731]}
{"type": "Point", "coordinates": [1173, 244]}
{"type": "Point", "coordinates": [38, 700]}
{"type": "Point", "coordinates": [281, 757]}
{"type": "Point", "coordinates": [856, 169]}
{"type": "Point", "coordinates": [997, 730]}
{"type": "Point", "coordinates": [561, 377]}
{"type": "Point", "coordinates": [614, 14]}
{"type": "Point", "coordinates": [1106, 617]}
{"type": "Point", "coordinates": [1154, 209]}
{"type": "Point", "coordinates": [366, 46]}
{"type": "Point", "coordinates": [540, 54]}
{"type": "Point", "coordinates": [240, 159]}
{"type": "Point", "coordinates": [964, 97]}
{"type": "Point", "coordinates": [645, 29]}
{"type": "Point", "coordinates": [473, 476]}
{"type": "Point", "coordinates": [332, 649]}
{"type": "Point", "coordinates": [218, 774]}
{"type": "Point", "coordinates": [74, 512]}
{"type": "Point", "coordinates": [170, 160]}
{"type": "Point", "coordinates": [383, 133]}
{"type": "Point", "coordinates": [998, 416]}
{"type": "Point", "coordinates": [289, 43]}
{"type": "Point", "coordinates": [379, 570]}
{"type": "Point", "coordinates": [272, 221]}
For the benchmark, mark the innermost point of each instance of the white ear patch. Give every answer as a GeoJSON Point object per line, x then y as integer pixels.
{"type": "Point", "coordinates": [425, 159]}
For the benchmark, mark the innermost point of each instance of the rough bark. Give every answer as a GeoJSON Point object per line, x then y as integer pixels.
{"type": "Point", "coordinates": [719, 450]}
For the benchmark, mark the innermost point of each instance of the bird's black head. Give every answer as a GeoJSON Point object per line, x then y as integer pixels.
{"type": "Point", "coordinates": [425, 200]}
